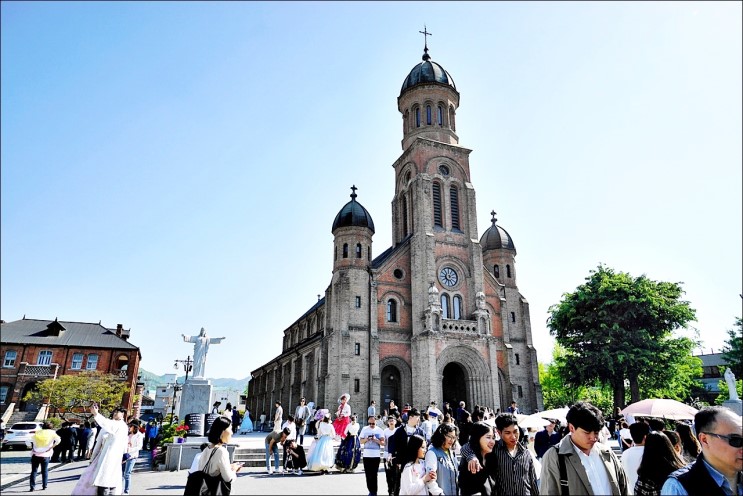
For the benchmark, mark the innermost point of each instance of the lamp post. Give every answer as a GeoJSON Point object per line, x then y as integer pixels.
{"type": "Point", "coordinates": [187, 366]}
{"type": "Point", "coordinates": [176, 388]}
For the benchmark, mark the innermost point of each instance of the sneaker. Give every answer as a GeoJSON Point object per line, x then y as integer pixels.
{"type": "Point", "coordinates": [299, 472]}
{"type": "Point", "coordinates": [270, 471]}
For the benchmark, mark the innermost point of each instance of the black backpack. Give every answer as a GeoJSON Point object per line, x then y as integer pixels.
{"type": "Point", "coordinates": [200, 483]}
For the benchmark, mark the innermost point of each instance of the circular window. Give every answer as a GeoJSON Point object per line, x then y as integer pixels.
{"type": "Point", "coordinates": [443, 170]}
{"type": "Point", "coordinates": [448, 277]}
{"type": "Point", "coordinates": [399, 274]}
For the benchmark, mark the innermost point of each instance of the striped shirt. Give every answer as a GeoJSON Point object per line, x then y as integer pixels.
{"type": "Point", "coordinates": [512, 474]}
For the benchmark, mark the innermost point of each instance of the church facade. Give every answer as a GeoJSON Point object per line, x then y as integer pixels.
{"type": "Point", "coordinates": [437, 316]}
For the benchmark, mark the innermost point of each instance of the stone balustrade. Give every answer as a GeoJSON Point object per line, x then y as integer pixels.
{"type": "Point", "coordinates": [27, 369]}
{"type": "Point", "coordinates": [451, 325]}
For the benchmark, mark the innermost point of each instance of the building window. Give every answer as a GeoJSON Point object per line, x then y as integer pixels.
{"type": "Point", "coordinates": [399, 274]}
{"type": "Point", "coordinates": [428, 115]}
{"type": "Point", "coordinates": [391, 311]}
{"type": "Point", "coordinates": [457, 304]}
{"type": "Point", "coordinates": [77, 361]}
{"type": "Point", "coordinates": [45, 358]}
{"type": "Point", "coordinates": [445, 306]}
{"type": "Point", "coordinates": [92, 362]}
{"type": "Point", "coordinates": [345, 250]}
{"type": "Point", "coordinates": [10, 357]}
{"type": "Point", "coordinates": [452, 122]}
{"type": "Point", "coordinates": [4, 393]}
{"type": "Point", "coordinates": [454, 196]}
{"type": "Point", "coordinates": [437, 217]}
{"type": "Point", "coordinates": [440, 116]}
{"type": "Point", "coordinates": [521, 392]}
{"type": "Point", "coordinates": [496, 270]}
{"type": "Point", "coordinates": [404, 216]}
{"type": "Point", "coordinates": [417, 117]}
{"type": "Point", "coordinates": [508, 271]}
{"type": "Point", "coordinates": [513, 316]}
{"type": "Point", "coordinates": [356, 385]}
{"type": "Point", "coordinates": [518, 359]}
{"type": "Point", "coordinates": [357, 349]}
{"type": "Point", "coordinates": [358, 302]}
{"type": "Point", "coordinates": [358, 250]}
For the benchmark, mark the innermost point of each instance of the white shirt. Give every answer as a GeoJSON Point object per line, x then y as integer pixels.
{"type": "Point", "coordinates": [135, 444]}
{"type": "Point", "coordinates": [387, 435]}
{"type": "Point", "coordinates": [427, 427]}
{"type": "Point", "coordinates": [371, 449]}
{"type": "Point", "coordinates": [631, 459]}
{"type": "Point", "coordinates": [195, 463]}
{"type": "Point", "coordinates": [220, 463]}
{"type": "Point", "coordinates": [411, 480]}
{"type": "Point", "coordinates": [352, 429]}
{"type": "Point", "coordinates": [595, 469]}
{"type": "Point", "coordinates": [292, 428]}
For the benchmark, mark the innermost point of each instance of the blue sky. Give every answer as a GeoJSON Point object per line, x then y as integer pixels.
{"type": "Point", "coordinates": [169, 166]}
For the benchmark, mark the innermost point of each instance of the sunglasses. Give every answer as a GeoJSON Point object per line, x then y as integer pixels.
{"type": "Point", "coordinates": [734, 441]}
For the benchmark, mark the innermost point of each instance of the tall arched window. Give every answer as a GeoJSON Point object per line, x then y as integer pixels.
{"type": "Point", "coordinates": [457, 304]}
{"type": "Point", "coordinates": [358, 250]}
{"type": "Point", "coordinates": [437, 217]}
{"type": "Point", "coordinates": [496, 270]}
{"type": "Point", "coordinates": [428, 115]}
{"type": "Point", "coordinates": [417, 117]}
{"type": "Point", "coordinates": [391, 311]}
{"type": "Point", "coordinates": [508, 271]}
{"type": "Point", "coordinates": [440, 116]}
{"type": "Point", "coordinates": [335, 254]}
{"type": "Point", "coordinates": [406, 121]}
{"type": "Point", "coordinates": [445, 306]}
{"type": "Point", "coordinates": [404, 216]}
{"type": "Point", "coordinates": [454, 197]}
{"type": "Point", "coordinates": [345, 250]}
{"type": "Point", "coordinates": [452, 123]}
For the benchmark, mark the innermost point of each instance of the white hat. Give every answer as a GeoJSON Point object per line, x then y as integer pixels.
{"type": "Point", "coordinates": [348, 397]}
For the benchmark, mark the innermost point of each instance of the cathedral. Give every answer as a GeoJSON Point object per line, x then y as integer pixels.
{"type": "Point", "coordinates": [437, 316]}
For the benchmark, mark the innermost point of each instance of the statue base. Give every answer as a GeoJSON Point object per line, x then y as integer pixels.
{"type": "Point", "coordinates": [195, 397]}
{"type": "Point", "coordinates": [734, 405]}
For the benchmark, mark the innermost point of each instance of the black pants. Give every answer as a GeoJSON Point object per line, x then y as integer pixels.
{"type": "Point", "coordinates": [36, 462]}
{"type": "Point", "coordinates": [371, 467]}
{"type": "Point", "coordinates": [105, 491]}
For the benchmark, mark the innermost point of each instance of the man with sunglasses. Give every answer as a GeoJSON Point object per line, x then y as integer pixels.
{"type": "Point", "coordinates": [718, 468]}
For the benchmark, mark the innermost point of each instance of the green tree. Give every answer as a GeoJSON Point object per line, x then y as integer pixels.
{"type": "Point", "coordinates": [733, 349]}
{"type": "Point", "coordinates": [72, 394]}
{"type": "Point", "coordinates": [618, 328]}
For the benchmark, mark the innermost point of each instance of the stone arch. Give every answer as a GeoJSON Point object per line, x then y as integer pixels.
{"type": "Point", "coordinates": [477, 375]}
{"type": "Point", "coordinates": [30, 405]}
{"type": "Point", "coordinates": [405, 377]}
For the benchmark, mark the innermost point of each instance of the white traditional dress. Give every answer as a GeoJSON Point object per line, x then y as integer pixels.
{"type": "Point", "coordinates": [105, 469]}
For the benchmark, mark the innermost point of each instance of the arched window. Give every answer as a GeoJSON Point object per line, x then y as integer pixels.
{"type": "Point", "coordinates": [457, 304]}
{"type": "Point", "coordinates": [428, 115]}
{"type": "Point", "coordinates": [508, 271]}
{"type": "Point", "coordinates": [496, 270]}
{"type": "Point", "coordinates": [417, 117]}
{"type": "Point", "coordinates": [358, 250]}
{"type": "Point", "coordinates": [391, 311]}
{"type": "Point", "coordinates": [518, 359]}
{"type": "Point", "coordinates": [437, 217]}
{"type": "Point", "coordinates": [452, 123]}
{"type": "Point", "coordinates": [440, 116]}
{"type": "Point", "coordinates": [445, 306]}
{"type": "Point", "coordinates": [345, 250]}
{"type": "Point", "coordinates": [335, 254]}
{"type": "Point", "coordinates": [405, 121]}
{"type": "Point", "coordinates": [454, 197]}
{"type": "Point", "coordinates": [404, 216]}
{"type": "Point", "coordinates": [513, 316]}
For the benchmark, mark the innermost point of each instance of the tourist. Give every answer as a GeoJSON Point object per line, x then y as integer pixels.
{"type": "Point", "coordinates": [400, 441]}
{"type": "Point", "coordinates": [545, 439]}
{"type": "Point", "coordinates": [440, 458]}
{"type": "Point", "coordinates": [301, 416]}
{"type": "Point", "coordinates": [625, 438]}
{"type": "Point", "coordinates": [393, 409]}
{"type": "Point", "coordinates": [294, 457]}
{"type": "Point", "coordinates": [462, 414]}
{"type": "Point", "coordinates": [718, 467]}
{"type": "Point", "coordinates": [278, 417]}
{"type": "Point", "coordinates": [151, 431]}
{"type": "Point", "coordinates": [372, 410]}
{"type": "Point", "coordinates": [602, 472]}
{"type": "Point", "coordinates": [132, 452]}
{"type": "Point", "coordinates": [235, 419]}
{"type": "Point", "coordinates": [481, 444]}
{"type": "Point", "coordinates": [675, 439]}
{"type": "Point", "coordinates": [373, 438]}
{"type": "Point", "coordinates": [196, 459]}
{"type": "Point", "coordinates": [262, 421]}
{"type": "Point", "coordinates": [434, 415]}
{"type": "Point", "coordinates": [691, 447]}
{"type": "Point", "coordinates": [514, 408]}
{"type": "Point", "coordinates": [414, 475]}
{"type": "Point", "coordinates": [632, 457]}
{"type": "Point", "coordinates": [272, 441]}
{"type": "Point", "coordinates": [292, 426]}
{"type": "Point", "coordinates": [82, 442]}
{"type": "Point", "coordinates": [659, 459]}
{"type": "Point", "coordinates": [389, 466]}
{"type": "Point", "coordinates": [447, 409]}
{"type": "Point", "coordinates": [349, 453]}
{"type": "Point", "coordinates": [342, 416]}
{"type": "Point", "coordinates": [219, 435]}
{"type": "Point", "coordinates": [246, 425]}
{"type": "Point", "coordinates": [42, 446]}
{"type": "Point", "coordinates": [94, 430]}
{"type": "Point", "coordinates": [103, 475]}
{"type": "Point", "coordinates": [464, 429]}
{"type": "Point", "coordinates": [215, 407]}
{"type": "Point", "coordinates": [427, 427]}
{"type": "Point", "coordinates": [321, 455]}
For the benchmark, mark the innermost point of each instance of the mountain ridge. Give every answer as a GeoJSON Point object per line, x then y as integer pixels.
{"type": "Point", "coordinates": [152, 381]}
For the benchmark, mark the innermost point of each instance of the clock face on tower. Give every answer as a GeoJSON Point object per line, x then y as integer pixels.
{"type": "Point", "coordinates": [448, 277]}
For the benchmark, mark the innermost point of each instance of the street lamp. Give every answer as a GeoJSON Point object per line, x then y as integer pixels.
{"type": "Point", "coordinates": [187, 366]}
{"type": "Point", "coordinates": [176, 387]}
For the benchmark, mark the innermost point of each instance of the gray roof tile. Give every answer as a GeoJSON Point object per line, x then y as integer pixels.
{"type": "Point", "coordinates": [77, 334]}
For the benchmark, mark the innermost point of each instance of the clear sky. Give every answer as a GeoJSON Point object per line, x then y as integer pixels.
{"type": "Point", "coordinates": [171, 166]}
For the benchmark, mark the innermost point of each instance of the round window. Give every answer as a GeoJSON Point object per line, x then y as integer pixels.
{"type": "Point", "coordinates": [399, 274]}
{"type": "Point", "coordinates": [443, 170]}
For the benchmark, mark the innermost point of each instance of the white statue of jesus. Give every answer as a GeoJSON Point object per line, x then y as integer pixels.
{"type": "Point", "coordinates": [730, 379]}
{"type": "Point", "coordinates": [200, 349]}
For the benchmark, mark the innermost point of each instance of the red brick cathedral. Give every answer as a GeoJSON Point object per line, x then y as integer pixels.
{"type": "Point", "coordinates": [437, 316]}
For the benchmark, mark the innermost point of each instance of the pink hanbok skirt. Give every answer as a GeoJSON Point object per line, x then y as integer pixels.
{"type": "Point", "coordinates": [340, 425]}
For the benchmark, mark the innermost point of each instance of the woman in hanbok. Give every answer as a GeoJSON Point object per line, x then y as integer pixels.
{"type": "Point", "coordinates": [321, 454]}
{"type": "Point", "coordinates": [349, 453]}
{"type": "Point", "coordinates": [342, 416]}
{"type": "Point", "coordinates": [247, 424]}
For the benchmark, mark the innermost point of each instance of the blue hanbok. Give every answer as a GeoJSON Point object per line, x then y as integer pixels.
{"type": "Point", "coordinates": [247, 424]}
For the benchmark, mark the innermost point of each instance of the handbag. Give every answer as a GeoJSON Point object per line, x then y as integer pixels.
{"type": "Point", "coordinates": [200, 483]}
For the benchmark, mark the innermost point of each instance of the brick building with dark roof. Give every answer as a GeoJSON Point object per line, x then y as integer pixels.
{"type": "Point", "coordinates": [33, 350]}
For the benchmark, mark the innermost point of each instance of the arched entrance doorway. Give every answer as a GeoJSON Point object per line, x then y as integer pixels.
{"type": "Point", "coordinates": [391, 386]}
{"type": "Point", "coordinates": [454, 385]}
{"type": "Point", "coordinates": [31, 405]}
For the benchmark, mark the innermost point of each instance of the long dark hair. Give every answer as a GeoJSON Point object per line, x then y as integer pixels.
{"type": "Point", "coordinates": [438, 437]}
{"type": "Point", "coordinates": [658, 459]}
{"type": "Point", "coordinates": [688, 442]}
{"type": "Point", "coordinates": [411, 450]}
{"type": "Point", "coordinates": [477, 431]}
{"type": "Point", "coordinates": [218, 427]}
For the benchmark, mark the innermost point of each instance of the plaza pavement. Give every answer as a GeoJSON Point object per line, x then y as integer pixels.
{"type": "Point", "coordinates": [63, 477]}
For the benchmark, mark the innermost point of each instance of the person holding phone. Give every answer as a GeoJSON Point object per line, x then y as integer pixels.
{"type": "Point", "coordinates": [220, 434]}
{"type": "Point", "coordinates": [373, 439]}
{"type": "Point", "coordinates": [415, 476]}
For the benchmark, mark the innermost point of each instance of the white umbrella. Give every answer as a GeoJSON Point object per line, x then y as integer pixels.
{"type": "Point", "coordinates": [534, 421]}
{"type": "Point", "coordinates": [661, 407]}
{"type": "Point", "coordinates": [555, 413]}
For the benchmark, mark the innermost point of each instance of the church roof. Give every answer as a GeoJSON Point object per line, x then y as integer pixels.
{"type": "Point", "coordinates": [496, 238]}
{"type": "Point", "coordinates": [353, 214]}
{"type": "Point", "coordinates": [427, 72]}
{"type": "Point", "coordinates": [53, 333]}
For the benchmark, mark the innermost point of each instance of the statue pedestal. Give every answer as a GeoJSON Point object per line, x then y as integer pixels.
{"type": "Point", "coordinates": [734, 405]}
{"type": "Point", "coordinates": [195, 397]}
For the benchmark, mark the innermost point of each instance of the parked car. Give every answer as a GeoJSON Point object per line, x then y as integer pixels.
{"type": "Point", "coordinates": [19, 433]}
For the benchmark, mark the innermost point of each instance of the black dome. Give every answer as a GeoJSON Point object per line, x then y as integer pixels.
{"type": "Point", "coordinates": [353, 214]}
{"type": "Point", "coordinates": [496, 238]}
{"type": "Point", "coordinates": [427, 71]}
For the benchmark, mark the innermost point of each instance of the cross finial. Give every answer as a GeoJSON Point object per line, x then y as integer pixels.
{"type": "Point", "coordinates": [353, 194]}
{"type": "Point", "coordinates": [425, 34]}
{"type": "Point", "coordinates": [493, 219]}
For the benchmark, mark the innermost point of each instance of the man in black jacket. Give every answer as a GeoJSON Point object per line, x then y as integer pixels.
{"type": "Point", "coordinates": [400, 443]}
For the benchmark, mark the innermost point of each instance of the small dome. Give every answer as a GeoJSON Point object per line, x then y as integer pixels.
{"type": "Point", "coordinates": [353, 214]}
{"type": "Point", "coordinates": [496, 238]}
{"type": "Point", "coordinates": [427, 71]}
